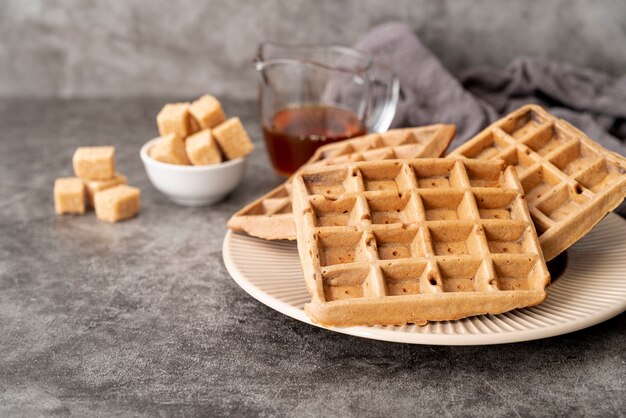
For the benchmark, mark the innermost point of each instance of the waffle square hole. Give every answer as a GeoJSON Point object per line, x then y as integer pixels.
{"type": "Point", "coordinates": [507, 237]}
{"type": "Point", "coordinates": [458, 275]}
{"type": "Point", "coordinates": [334, 212]}
{"type": "Point", "coordinates": [483, 173]}
{"type": "Point", "coordinates": [588, 167]}
{"type": "Point", "coordinates": [378, 155]}
{"type": "Point", "coordinates": [571, 160]}
{"type": "Point", "coordinates": [275, 201]}
{"type": "Point", "coordinates": [342, 159]}
{"type": "Point", "coordinates": [265, 206]}
{"type": "Point", "coordinates": [485, 146]}
{"type": "Point", "coordinates": [403, 278]}
{"type": "Point", "coordinates": [342, 284]}
{"type": "Point", "coordinates": [409, 151]}
{"type": "Point", "coordinates": [495, 204]}
{"type": "Point", "coordinates": [439, 206]}
{"type": "Point", "coordinates": [398, 242]}
{"type": "Point", "coordinates": [420, 135]}
{"type": "Point", "coordinates": [398, 137]}
{"type": "Point", "coordinates": [537, 182]}
{"type": "Point", "coordinates": [452, 239]}
{"type": "Point", "coordinates": [339, 247]}
{"type": "Point", "coordinates": [602, 174]}
{"type": "Point", "coordinates": [522, 125]}
{"type": "Point", "coordinates": [285, 208]}
{"type": "Point", "coordinates": [329, 184]}
{"type": "Point", "coordinates": [391, 208]}
{"type": "Point", "coordinates": [335, 150]}
{"type": "Point", "coordinates": [433, 173]}
{"type": "Point", "coordinates": [382, 177]}
{"type": "Point", "coordinates": [562, 202]}
{"type": "Point", "coordinates": [363, 144]}
{"type": "Point", "coordinates": [368, 142]}
{"type": "Point", "coordinates": [520, 159]}
{"type": "Point", "coordinates": [513, 273]}
{"type": "Point", "coordinates": [547, 139]}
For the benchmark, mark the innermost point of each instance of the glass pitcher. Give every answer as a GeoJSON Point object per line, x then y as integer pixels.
{"type": "Point", "coordinates": [312, 95]}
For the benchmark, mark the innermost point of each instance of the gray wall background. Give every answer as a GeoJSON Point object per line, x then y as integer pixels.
{"type": "Point", "coordinates": [72, 48]}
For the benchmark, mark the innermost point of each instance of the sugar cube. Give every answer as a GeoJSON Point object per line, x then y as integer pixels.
{"type": "Point", "coordinates": [169, 149]}
{"type": "Point", "coordinates": [175, 119]}
{"type": "Point", "coordinates": [69, 195]}
{"type": "Point", "coordinates": [94, 163]}
{"type": "Point", "coordinates": [207, 111]}
{"type": "Point", "coordinates": [94, 186]}
{"type": "Point", "coordinates": [117, 203]}
{"type": "Point", "coordinates": [202, 148]}
{"type": "Point", "coordinates": [233, 139]}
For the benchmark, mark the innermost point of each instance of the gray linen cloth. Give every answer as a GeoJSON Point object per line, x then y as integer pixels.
{"type": "Point", "coordinates": [593, 101]}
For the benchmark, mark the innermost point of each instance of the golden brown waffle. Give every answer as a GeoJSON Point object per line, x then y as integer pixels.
{"type": "Point", "coordinates": [270, 216]}
{"type": "Point", "coordinates": [570, 181]}
{"type": "Point", "coordinates": [409, 241]}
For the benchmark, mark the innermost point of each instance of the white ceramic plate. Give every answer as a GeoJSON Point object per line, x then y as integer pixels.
{"type": "Point", "coordinates": [591, 290]}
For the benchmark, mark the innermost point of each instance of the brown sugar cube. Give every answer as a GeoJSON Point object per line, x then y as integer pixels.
{"type": "Point", "coordinates": [69, 196]}
{"type": "Point", "coordinates": [94, 163]}
{"type": "Point", "coordinates": [207, 111]}
{"type": "Point", "coordinates": [233, 139]}
{"type": "Point", "coordinates": [175, 119]}
{"type": "Point", "coordinates": [169, 149]}
{"type": "Point", "coordinates": [94, 186]}
{"type": "Point", "coordinates": [202, 148]}
{"type": "Point", "coordinates": [117, 203]}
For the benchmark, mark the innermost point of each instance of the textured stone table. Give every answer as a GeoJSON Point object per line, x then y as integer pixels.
{"type": "Point", "coordinates": [141, 318]}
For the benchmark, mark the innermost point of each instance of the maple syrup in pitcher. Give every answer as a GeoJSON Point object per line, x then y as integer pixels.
{"type": "Point", "coordinates": [296, 132]}
{"type": "Point", "coordinates": [313, 95]}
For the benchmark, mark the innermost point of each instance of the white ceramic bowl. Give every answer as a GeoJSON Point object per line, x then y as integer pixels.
{"type": "Point", "coordinates": [190, 185]}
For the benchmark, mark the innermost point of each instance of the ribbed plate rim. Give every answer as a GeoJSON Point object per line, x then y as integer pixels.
{"type": "Point", "coordinates": [556, 313]}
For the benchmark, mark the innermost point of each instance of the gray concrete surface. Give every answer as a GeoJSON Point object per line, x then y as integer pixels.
{"type": "Point", "coordinates": [73, 48]}
{"type": "Point", "coordinates": [141, 318]}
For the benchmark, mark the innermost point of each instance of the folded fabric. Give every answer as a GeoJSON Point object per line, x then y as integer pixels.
{"type": "Point", "coordinates": [428, 92]}
{"type": "Point", "coordinates": [593, 101]}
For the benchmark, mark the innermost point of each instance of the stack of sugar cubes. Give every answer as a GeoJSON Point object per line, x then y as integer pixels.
{"type": "Point", "coordinates": [96, 185]}
{"type": "Point", "coordinates": [198, 133]}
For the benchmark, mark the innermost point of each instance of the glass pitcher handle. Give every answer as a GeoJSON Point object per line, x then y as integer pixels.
{"type": "Point", "coordinates": [384, 94]}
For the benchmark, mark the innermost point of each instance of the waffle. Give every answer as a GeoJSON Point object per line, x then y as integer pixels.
{"type": "Point", "coordinates": [569, 180]}
{"type": "Point", "coordinates": [270, 216]}
{"type": "Point", "coordinates": [409, 241]}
